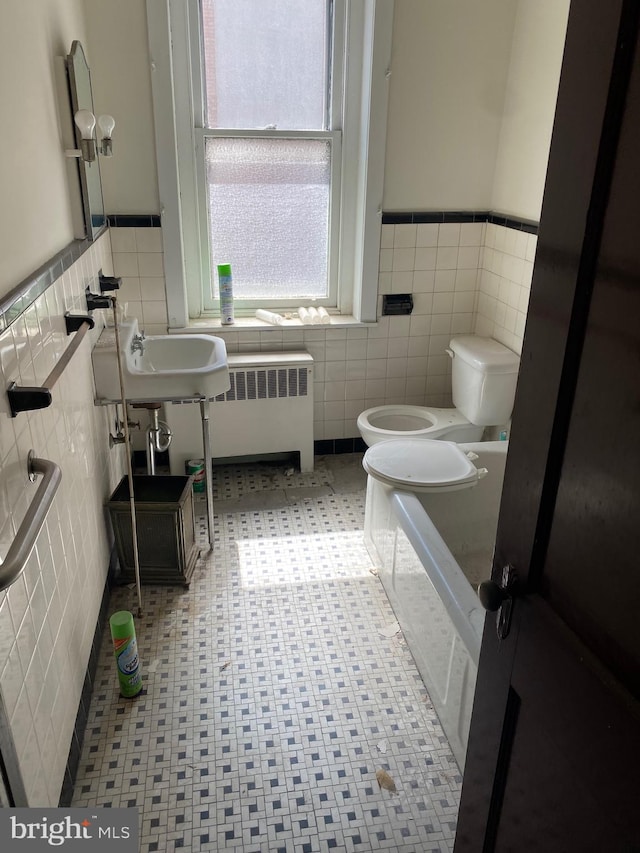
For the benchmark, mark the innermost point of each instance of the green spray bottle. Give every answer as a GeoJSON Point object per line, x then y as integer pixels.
{"type": "Point", "coordinates": [225, 283]}
{"type": "Point", "coordinates": [125, 645]}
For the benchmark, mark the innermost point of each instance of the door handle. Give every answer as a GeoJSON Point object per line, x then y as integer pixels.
{"type": "Point", "coordinates": [499, 597]}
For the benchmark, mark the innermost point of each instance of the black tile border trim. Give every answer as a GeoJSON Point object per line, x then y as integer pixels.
{"type": "Point", "coordinates": [517, 224]}
{"type": "Point", "coordinates": [331, 446]}
{"type": "Point", "coordinates": [435, 216]}
{"type": "Point", "coordinates": [25, 294]}
{"type": "Point", "coordinates": [444, 216]}
{"type": "Point", "coordinates": [134, 220]}
{"type": "Point", "coordinates": [80, 725]}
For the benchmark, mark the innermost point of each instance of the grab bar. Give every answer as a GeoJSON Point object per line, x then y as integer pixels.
{"type": "Point", "coordinates": [28, 399]}
{"type": "Point", "coordinates": [22, 546]}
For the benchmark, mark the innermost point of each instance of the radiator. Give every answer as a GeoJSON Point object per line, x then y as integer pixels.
{"type": "Point", "coordinates": [267, 409]}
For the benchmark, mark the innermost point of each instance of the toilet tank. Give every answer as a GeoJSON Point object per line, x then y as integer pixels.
{"type": "Point", "coordinates": [483, 380]}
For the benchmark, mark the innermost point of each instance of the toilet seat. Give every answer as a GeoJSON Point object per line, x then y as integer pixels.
{"type": "Point", "coordinates": [421, 465]}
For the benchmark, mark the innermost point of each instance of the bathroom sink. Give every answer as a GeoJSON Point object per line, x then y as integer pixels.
{"type": "Point", "coordinates": [160, 367]}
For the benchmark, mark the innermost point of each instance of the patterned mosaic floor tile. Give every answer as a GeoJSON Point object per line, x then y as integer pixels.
{"type": "Point", "coordinates": [273, 694]}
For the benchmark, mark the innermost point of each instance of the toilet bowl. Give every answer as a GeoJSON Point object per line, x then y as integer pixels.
{"type": "Point", "coordinates": [483, 384]}
{"type": "Point", "coordinates": [382, 423]}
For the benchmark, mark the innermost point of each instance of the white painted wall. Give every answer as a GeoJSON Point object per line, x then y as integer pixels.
{"type": "Point", "coordinates": [449, 67]}
{"type": "Point", "coordinates": [529, 107]}
{"type": "Point", "coordinates": [472, 96]}
{"type": "Point", "coordinates": [120, 76]}
{"type": "Point", "coordinates": [37, 213]}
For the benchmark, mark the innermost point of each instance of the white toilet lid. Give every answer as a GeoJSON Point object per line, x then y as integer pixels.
{"type": "Point", "coordinates": [420, 465]}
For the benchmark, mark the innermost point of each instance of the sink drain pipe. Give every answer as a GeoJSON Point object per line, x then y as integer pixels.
{"type": "Point", "coordinates": [127, 443]}
{"type": "Point", "coordinates": [158, 436]}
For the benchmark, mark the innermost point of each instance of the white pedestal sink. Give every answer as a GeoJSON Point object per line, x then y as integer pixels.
{"type": "Point", "coordinates": [160, 367]}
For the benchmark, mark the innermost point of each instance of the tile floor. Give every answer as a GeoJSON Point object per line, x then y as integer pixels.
{"type": "Point", "coordinates": [276, 688]}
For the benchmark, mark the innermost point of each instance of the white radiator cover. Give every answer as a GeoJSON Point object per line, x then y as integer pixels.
{"type": "Point", "coordinates": [268, 409]}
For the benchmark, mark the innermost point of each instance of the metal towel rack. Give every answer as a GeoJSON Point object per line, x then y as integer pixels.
{"type": "Point", "coordinates": [21, 547]}
{"type": "Point", "coordinates": [28, 399]}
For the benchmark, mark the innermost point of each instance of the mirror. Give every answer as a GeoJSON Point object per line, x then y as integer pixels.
{"type": "Point", "coordinates": [82, 99]}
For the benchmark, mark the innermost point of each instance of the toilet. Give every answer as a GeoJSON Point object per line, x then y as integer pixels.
{"type": "Point", "coordinates": [483, 381]}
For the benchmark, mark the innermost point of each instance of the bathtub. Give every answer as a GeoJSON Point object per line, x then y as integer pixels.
{"type": "Point", "coordinates": [431, 552]}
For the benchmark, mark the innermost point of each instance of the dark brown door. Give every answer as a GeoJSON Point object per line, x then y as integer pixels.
{"type": "Point", "coordinates": [554, 752]}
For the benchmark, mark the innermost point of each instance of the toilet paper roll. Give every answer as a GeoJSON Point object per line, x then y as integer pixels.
{"type": "Point", "coordinates": [269, 317]}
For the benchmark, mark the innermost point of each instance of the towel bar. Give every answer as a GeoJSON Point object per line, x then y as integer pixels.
{"type": "Point", "coordinates": [29, 398]}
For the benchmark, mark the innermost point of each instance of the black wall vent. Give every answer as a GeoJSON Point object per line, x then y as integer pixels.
{"type": "Point", "coordinates": [397, 303]}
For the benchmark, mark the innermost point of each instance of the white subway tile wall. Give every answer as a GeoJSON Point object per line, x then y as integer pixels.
{"type": "Point", "coordinates": [138, 259]}
{"type": "Point", "coordinates": [504, 285]}
{"type": "Point", "coordinates": [466, 278]}
{"type": "Point", "coordinates": [49, 615]}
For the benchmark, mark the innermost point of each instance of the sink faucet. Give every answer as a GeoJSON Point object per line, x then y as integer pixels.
{"type": "Point", "coordinates": [137, 344]}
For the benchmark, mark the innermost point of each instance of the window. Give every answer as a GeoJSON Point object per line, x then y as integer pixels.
{"type": "Point", "coordinates": [271, 117]}
{"type": "Point", "coordinates": [265, 152]}
{"type": "Point", "coordinates": [268, 213]}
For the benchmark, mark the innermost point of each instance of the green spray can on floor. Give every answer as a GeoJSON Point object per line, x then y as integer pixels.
{"type": "Point", "coordinates": [125, 646]}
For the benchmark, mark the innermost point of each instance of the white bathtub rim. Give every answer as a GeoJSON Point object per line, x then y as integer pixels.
{"type": "Point", "coordinates": [441, 567]}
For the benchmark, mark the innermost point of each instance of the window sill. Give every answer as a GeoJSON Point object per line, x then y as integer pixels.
{"type": "Point", "coordinates": [250, 324]}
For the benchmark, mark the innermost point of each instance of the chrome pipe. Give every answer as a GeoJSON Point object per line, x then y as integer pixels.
{"type": "Point", "coordinates": [127, 442]}
{"type": "Point", "coordinates": [208, 470]}
{"type": "Point", "coordinates": [151, 456]}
